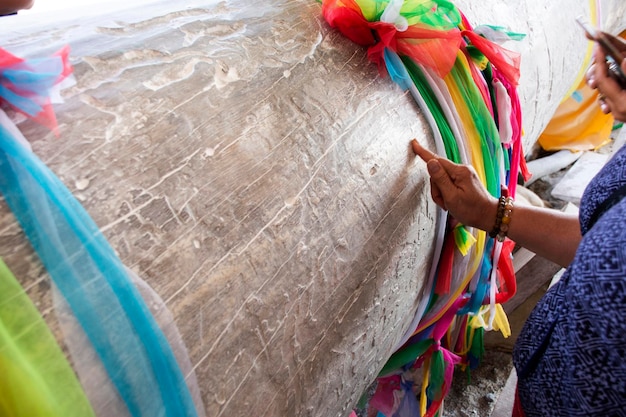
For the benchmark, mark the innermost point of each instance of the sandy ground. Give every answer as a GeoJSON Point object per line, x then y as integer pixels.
{"type": "Point", "coordinates": [474, 394]}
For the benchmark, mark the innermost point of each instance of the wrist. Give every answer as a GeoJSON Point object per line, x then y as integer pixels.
{"type": "Point", "coordinates": [489, 215]}
{"type": "Point", "coordinates": [503, 217]}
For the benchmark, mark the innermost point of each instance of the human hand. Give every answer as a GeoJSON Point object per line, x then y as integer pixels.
{"type": "Point", "coordinates": [458, 189]}
{"type": "Point", "coordinates": [12, 6]}
{"type": "Point", "coordinates": [611, 95]}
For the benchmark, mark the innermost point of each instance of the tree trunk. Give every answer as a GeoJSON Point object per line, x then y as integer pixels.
{"type": "Point", "coordinates": [251, 166]}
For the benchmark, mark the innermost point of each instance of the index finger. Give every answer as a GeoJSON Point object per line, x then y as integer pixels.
{"type": "Point", "coordinates": [422, 152]}
{"type": "Point", "coordinates": [616, 44]}
{"type": "Point", "coordinates": [600, 69]}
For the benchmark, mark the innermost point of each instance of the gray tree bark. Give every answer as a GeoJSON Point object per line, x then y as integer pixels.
{"type": "Point", "coordinates": [252, 167]}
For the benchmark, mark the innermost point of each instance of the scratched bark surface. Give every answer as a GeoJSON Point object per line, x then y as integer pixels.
{"type": "Point", "coordinates": [254, 169]}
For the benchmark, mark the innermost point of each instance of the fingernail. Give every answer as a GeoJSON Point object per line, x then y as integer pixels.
{"type": "Point", "coordinates": [605, 108]}
{"type": "Point", "coordinates": [415, 146]}
{"type": "Point", "coordinates": [433, 167]}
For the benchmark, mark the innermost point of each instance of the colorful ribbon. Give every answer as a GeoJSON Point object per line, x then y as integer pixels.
{"type": "Point", "coordinates": [83, 266]}
{"type": "Point", "coordinates": [27, 85]}
{"type": "Point", "coordinates": [466, 85]}
{"type": "Point", "coordinates": [37, 380]}
{"type": "Point", "coordinates": [430, 38]}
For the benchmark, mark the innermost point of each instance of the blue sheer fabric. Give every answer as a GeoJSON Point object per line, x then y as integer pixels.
{"type": "Point", "coordinates": [33, 79]}
{"type": "Point", "coordinates": [93, 280]}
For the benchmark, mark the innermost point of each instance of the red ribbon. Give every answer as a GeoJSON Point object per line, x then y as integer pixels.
{"type": "Point", "coordinates": [506, 273]}
{"type": "Point", "coordinates": [435, 49]}
{"type": "Point", "coordinates": [508, 62]}
{"type": "Point", "coordinates": [431, 48]}
{"type": "Point", "coordinates": [46, 116]}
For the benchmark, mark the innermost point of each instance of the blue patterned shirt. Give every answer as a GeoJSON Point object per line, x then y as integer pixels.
{"type": "Point", "coordinates": [571, 354]}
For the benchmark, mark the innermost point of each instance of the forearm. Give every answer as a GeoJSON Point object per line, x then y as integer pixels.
{"type": "Point", "coordinates": [457, 188]}
{"type": "Point", "coordinates": [549, 233]}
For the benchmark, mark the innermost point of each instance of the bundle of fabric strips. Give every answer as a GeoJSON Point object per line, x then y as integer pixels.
{"type": "Point", "coordinates": [129, 345]}
{"type": "Point", "coordinates": [466, 85]}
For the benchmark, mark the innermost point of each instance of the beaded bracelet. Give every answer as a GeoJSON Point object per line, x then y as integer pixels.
{"type": "Point", "coordinates": [496, 227]}
{"type": "Point", "coordinates": [503, 218]}
{"type": "Point", "coordinates": [506, 219]}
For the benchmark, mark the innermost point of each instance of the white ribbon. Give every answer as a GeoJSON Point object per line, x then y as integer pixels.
{"type": "Point", "coordinates": [392, 15]}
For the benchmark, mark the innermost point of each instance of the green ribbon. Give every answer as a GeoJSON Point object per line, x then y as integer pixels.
{"type": "Point", "coordinates": [37, 379]}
